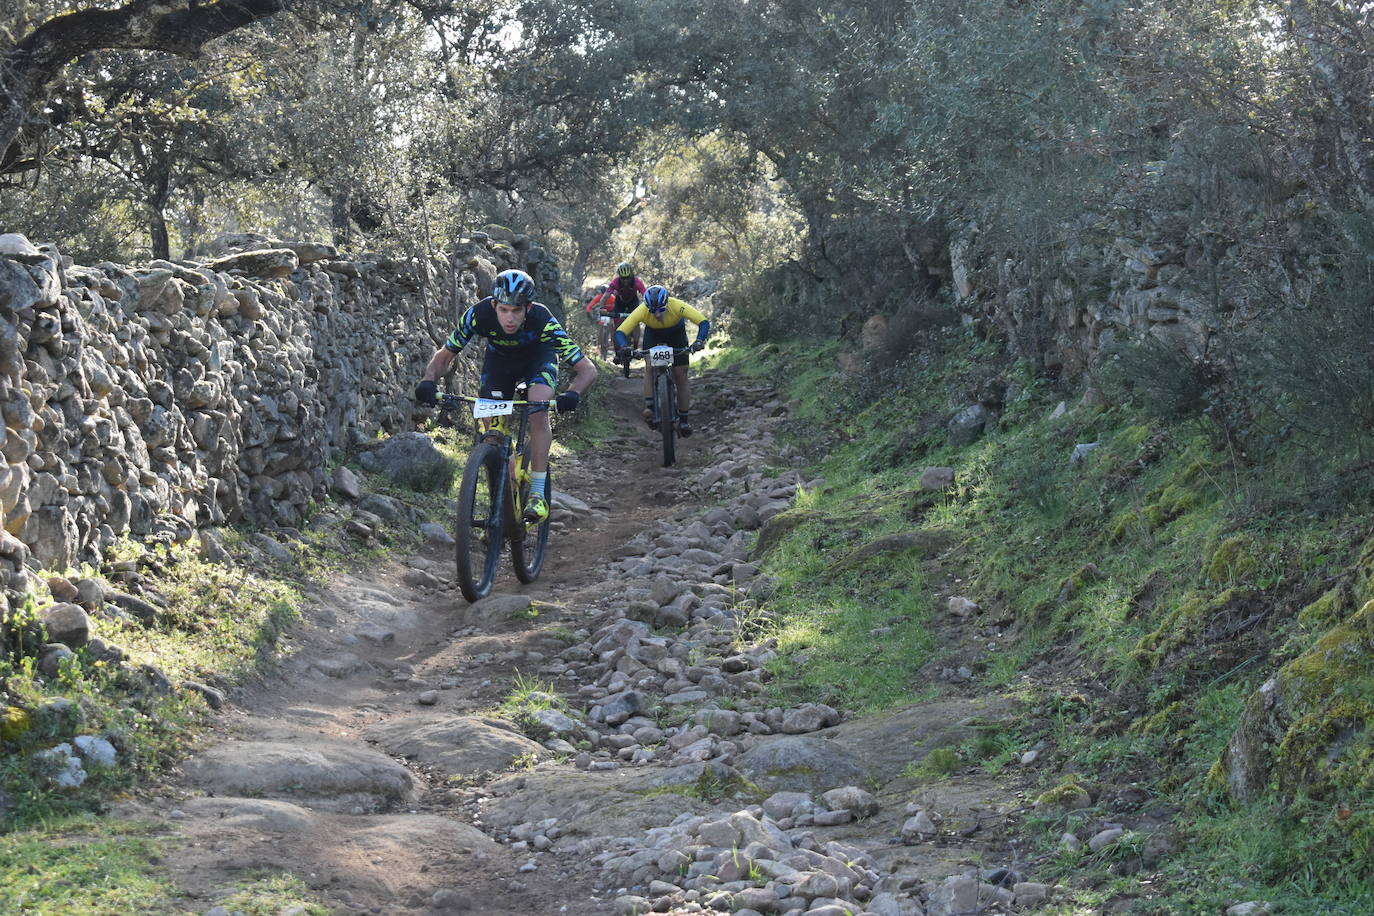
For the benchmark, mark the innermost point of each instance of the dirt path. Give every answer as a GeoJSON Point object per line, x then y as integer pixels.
{"type": "Point", "coordinates": [372, 771]}
{"type": "Point", "coordinates": [371, 647]}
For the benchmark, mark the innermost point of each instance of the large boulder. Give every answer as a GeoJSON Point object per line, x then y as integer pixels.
{"type": "Point", "coordinates": [410, 459]}
{"type": "Point", "coordinates": [322, 769]}
{"type": "Point", "coordinates": [458, 745]}
{"type": "Point", "coordinates": [800, 764]}
{"type": "Point", "coordinates": [29, 278]}
{"type": "Point", "coordinates": [67, 624]}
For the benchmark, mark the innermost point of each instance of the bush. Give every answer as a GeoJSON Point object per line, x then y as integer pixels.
{"type": "Point", "coordinates": [1311, 363]}
{"type": "Point", "coordinates": [1161, 381]}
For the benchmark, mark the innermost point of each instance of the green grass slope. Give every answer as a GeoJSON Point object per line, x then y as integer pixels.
{"type": "Point", "coordinates": [1187, 635]}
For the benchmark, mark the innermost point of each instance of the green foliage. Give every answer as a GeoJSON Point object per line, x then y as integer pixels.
{"type": "Point", "coordinates": [1158, 380]}
{"type": "Point", "coordinates": [941, 761]}
{"type": "Point", "coordinates": [1305, 364]}
{"type": "Point", "coordinates": [21, 631]}
{"type": "Point", "coordinates": [527, 696]}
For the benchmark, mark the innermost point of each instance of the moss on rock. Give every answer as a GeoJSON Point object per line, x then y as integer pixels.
{"type": "Point", "coordinates": [1310, 728]}
{"type": "Point", "coordinates": [1326, 611]}
{"type": "Point", "coordinates": [13, 723]}
{"type": "Point", "coordinates": [1123, 524]}
{"type": "Point", "coordinates": [1185, 623]}
{"type": "Point", "coordinates": [1170, 720]}
{"type": "Point", "coordinates": [1171, 502]}
{"type": "Point", "coordinates": [1233, 560]}
{"type": "Point", "coordinates": [1065, 797]}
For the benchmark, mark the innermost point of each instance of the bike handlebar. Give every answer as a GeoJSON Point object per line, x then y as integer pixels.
{"type": "Point", "coordinates": [677, 351]}
{"type": "Point", "coordinates": [451, 401]}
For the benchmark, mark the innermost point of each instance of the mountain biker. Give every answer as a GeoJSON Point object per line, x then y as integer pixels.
{"type": "Point", "coordinates": [622, 297]}
{"type": "Point", "coordinates": [524, 343]}
{"type": "Point", "coordinates": [665, 322]}
{"type": "Point", "coordinates": [599, 309]}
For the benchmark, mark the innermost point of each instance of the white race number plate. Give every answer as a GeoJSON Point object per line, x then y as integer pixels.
{"type": "Point", "coordinates": [483, 407]}
{"type": "Point", "coordinates": [661, 355]}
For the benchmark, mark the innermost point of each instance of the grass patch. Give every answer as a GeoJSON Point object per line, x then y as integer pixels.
{"type": "Point", "coordinates": [863, 628]}
{"type": "Point", "coordinates": [528, 696]}
{"type": "Point", "coordinates": [83, 865]}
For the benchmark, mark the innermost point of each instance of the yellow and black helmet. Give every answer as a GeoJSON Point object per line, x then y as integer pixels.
{"type": "Point", "coordinates": [625, 269]}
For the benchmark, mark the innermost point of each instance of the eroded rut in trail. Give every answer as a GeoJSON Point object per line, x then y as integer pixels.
{"type": "Point", "coordinates": [373, 770]}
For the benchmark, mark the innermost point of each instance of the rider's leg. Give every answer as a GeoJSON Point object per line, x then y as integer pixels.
{"type": "Point", "coordinates": [541, 435]}
{"type": "Point", "coordinates": [684, 397]}
{"type": "Point", "coordinates": [648, 378]}
{"type": "Point", "coordinates": [684, 401]}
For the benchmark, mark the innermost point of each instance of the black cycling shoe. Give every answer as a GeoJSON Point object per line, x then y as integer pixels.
{"type": "Point", "coordinates": [684, 429]}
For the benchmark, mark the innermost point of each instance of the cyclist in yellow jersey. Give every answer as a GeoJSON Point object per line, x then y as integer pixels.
{"type": "Point", "coordinates": [665, 322]}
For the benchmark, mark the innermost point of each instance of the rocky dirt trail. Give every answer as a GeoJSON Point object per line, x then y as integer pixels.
{"type": "Point", "coordinates": [654, 773]}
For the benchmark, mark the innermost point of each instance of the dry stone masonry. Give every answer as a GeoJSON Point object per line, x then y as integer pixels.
{"type": "Point", "coordinates": [157, 400]}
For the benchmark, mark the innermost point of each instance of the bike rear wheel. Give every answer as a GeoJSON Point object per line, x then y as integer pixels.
{"type": "Point", "coordinates": [666, 396]}
{"type": "Point", "coordinates": [478, 529]}
{"type": "Point", "coordinates": [529, 542]}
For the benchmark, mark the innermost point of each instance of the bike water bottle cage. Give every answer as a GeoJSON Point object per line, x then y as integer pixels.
{"type": "Point", "coordinates": [661, 355]}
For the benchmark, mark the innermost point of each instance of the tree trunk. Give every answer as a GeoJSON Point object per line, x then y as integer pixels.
{"type": "Point", "coordinates": [339, 210]}
{"type": "Point", "coordinates": [161, 240]}
{"type": "Point", "coordinates": [159, 190]}
{"type": "Point", "coordinates": [192, 235]}
{"type": "Point", "coordinates": [577, 274]}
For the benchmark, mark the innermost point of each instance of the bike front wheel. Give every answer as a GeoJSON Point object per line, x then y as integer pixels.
{"type": "Point", "coordinates": [666, 396]}
{"type": "Point", "coordinates": [529, 542]}
{"type": "Point", "coordinates": [478, 528]}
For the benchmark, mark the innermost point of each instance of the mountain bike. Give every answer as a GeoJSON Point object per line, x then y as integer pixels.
{"type": "Point", "coordinates": [495, 489]}
{"type": "Point", "coordinates": [605, 327]}
{"type": "Point", "coordinates": [659, 360]}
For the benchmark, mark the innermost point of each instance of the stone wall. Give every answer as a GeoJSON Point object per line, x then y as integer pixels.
{"type": "Point", "coordinates": [1064, 318]}
{"type": "Point", "coordinates": [1149, 263]}
{"type": "Point", "coordinates": [153, 400]}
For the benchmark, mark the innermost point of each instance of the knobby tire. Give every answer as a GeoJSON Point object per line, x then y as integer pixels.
{"type": "Point", "coordinates": [667, 415]}
{"type": "Point", "coordinates": [478, 529]}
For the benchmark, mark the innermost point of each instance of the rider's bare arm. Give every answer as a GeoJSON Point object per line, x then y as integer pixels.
{"type": "Point", "coordinates": [439, 364]}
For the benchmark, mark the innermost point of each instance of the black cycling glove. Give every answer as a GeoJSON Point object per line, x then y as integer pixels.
{"type": "Point", "coordinates": [427, 393]}
{"type": "Point", "coordinates": [567, 401]}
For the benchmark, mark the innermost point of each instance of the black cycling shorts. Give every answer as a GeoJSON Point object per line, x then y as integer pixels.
{"type": "Point", "coordinates": [676, 336]}
{"type": "Point", "coordinates": [501, 372]}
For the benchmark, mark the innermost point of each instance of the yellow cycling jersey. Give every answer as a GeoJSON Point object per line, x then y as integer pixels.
{"type": "Point", "coordinates": [671, 317]}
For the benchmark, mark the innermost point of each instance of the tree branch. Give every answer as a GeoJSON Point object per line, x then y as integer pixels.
{"type": "Point", "coordinates": [182, 27]}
